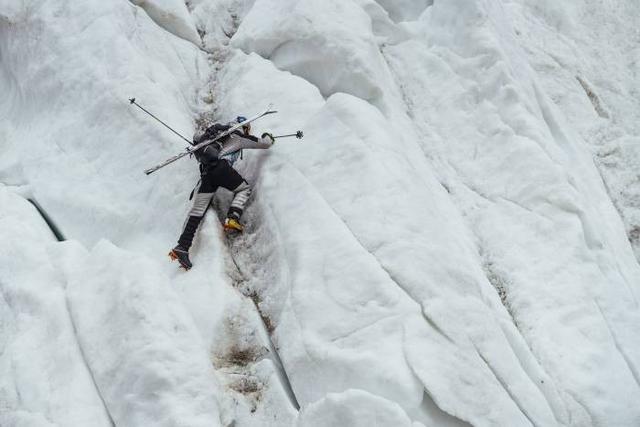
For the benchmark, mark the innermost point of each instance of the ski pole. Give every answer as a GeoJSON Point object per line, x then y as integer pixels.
{"type": "Point", "coordinates": [133, 101]}
{"type": "Point", "coordinates": [298, 135]}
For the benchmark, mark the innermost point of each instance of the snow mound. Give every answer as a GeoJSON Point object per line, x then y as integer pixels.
{"type": "Point", "coordinates": [354, 408]}
{"type": "Point", "coordinates": [140, 343]}
{"type": "Point", "coordinates": [329, 43]}
{"type": "Point", "coordinates": [404, 10]}
{"type": "Point", "coordinates": [173, 16]}
{"type": "Point", "coordinates": [44, 380]}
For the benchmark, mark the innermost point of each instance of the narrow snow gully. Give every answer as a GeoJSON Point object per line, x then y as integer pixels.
{"type": "Point", "coordinates": [243, 280]}
{"type": "Point", "coordinates": [240, 362]}
{"type": "Point", "coordinates": [267, 330]}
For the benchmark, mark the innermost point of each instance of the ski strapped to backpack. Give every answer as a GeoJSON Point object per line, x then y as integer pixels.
{"type": "Point", "coordinates": [190, 150]}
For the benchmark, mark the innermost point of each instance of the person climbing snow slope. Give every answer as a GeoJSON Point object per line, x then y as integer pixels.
{"type": "Point", "coordinates": [216, 170]}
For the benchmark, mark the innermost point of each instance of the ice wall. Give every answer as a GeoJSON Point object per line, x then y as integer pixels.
{"type": "Point", "coordinates": [545, 238]}
{"type": "Point", "coordinates": [439, 250]}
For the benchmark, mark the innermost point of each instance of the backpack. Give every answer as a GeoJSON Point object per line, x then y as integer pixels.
{"type": "Point", "coordinates": [208, 155]}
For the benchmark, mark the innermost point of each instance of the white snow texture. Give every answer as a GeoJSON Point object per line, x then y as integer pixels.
{"type": "Point", "coordinates": [455, 241]}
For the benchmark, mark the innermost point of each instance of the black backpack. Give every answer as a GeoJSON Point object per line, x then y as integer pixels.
{"type": "Point", "coordinates": [208, 155]}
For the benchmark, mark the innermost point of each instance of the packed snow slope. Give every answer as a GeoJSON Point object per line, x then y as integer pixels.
{"type": "Point", "coordinates": [451, 244]}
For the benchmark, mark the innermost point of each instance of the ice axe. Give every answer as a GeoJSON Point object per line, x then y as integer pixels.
{"type": "Point", "coordinates": [298, 135]}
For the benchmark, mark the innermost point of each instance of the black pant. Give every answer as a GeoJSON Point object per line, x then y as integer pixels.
{"type": "Point", "coordinates": [221, 175]}
{"type": "Point", "coordinates": [212, 178]}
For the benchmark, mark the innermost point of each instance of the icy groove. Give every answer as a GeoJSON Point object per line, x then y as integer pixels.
{"type": "Point", "coordinates": [433, 324]}
{"type": "Point", "coordinates": [627, 359]}
{"type": "Point", "coordinates": [583, 406]}
{"type": "Point", "coordinates": [295, 315]}
{"type": "Point", "coordinates": [47, 219]}
{"type": "Point", "coordinates": [506, 387]}
{"type": "Point", "coordinates": [550, 400]}
{"type": "Point", "coordinates": [361, 328]}
{"type": "Point", "coordinates": [217, 63]}
{"type": "Point", "coordinates": [283, 377]}
{"type": "Point", "coordinates": [84, 358]}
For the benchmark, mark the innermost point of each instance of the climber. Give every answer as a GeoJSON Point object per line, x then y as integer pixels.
{"type": "Point", "coordinates": [216, 161]}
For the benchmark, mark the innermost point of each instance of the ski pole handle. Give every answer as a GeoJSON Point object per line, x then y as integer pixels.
{"type": "Point", "coordinates": [299, 134]}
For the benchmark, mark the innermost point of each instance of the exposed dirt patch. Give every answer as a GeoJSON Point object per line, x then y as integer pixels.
{"type": "Point", "coordinates": [241, 351]}
{"type": "Point", "coordinates": [250, 387]}
{"type": "Point", "coordinates": [246, 385]}
{"type": "Point", "coordinates": [242, 347]}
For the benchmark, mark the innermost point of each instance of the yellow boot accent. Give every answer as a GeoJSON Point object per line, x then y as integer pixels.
{"type": "Point", "coordinates": [233, 224]}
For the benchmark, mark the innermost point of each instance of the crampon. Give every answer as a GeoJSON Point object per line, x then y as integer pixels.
{"type": "Point", "coordinates": [182, 256]}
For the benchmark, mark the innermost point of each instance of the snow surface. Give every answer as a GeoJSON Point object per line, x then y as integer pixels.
{"type": "Point", "coordinates": [451, 244]}
{"type": "Point", "coordinates": [45, 380]}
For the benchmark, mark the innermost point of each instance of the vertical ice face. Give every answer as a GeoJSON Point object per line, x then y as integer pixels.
{"type": "Point", "coordinates": [518, 173]}
{"type": "Point", "coordinates": [439, 249]}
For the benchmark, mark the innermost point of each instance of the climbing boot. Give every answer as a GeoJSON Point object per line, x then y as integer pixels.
{"type": "Point", "coordinates": [182, 255]}
{"type": "Point", "coordinates": [232, 224]}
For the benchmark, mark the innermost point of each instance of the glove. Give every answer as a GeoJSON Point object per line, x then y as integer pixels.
{"type": "Point", "coordinates": [268, 135]}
